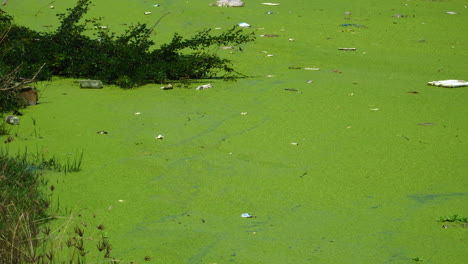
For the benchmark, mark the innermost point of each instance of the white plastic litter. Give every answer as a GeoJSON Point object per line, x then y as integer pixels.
{"type": "Point", "coordinates": [449, 83]}
{"type": "Point", "coordinates": [228, 3]}
{"type": "Point", "coordinates": [205, 86]}
{"type": "Point", "coordinates": [244, 25]}
{"type": "Point", "coordinates": [271, 4]}
{"type": "Point", "coordinates": [160, 137]}
{"type": "Point", "coordinates": [246, 215]}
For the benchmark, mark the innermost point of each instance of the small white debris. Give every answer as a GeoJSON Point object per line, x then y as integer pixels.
{"type": "Point", "coordinates": [147, 13]}
{"type": "Point", "coordinates": [269, 55]}
{"type": "Point", "coordinates": [449, 83]}
{"type": "Point", "coordinates": [167, 87]}
{"type": "Point", "coordinates": [291, 39]}
{"type": "Point", "coordinates": [121, 201]}
{"type": "Point", "coordinates": [52, 7]}
{"type": "Point", "coordinates": [247, 215]}
{"type": "Point", "coordinates": [270, 76]}
{"type": "Point", "coordinates": [374, 109]}
{"type": "Point", "coordinates": [312, 69]}
{"type": "Point", "coordinates": [156, 5]}
{"type": "Point", "coordinates": [205, 86]}
{"type": "Point", "coordinates": [137, 113]}
{"type": "Point", "coordinates": [228, 3]}
{"type": "Point", "coordinates": [310, 81]}
{"type": "Point", "coordinates": [244, 25]}
{"type": "Point", "coordinates": [451, 13]}
{"type": "Point", "coordinates": [244, 113]}
{"type": "Point", "coordinates": [160, 137]}
{"type": "Point", "coordinates": [294, 143]}
{"type": "Point", "coordinates": [271, 4]}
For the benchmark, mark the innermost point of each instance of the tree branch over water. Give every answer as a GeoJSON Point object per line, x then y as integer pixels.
{"type": "Point", "coordinates": [126, 60]}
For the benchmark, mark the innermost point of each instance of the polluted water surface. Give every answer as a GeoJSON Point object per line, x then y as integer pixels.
{"type": "Point", "coordinates": [332, 174]}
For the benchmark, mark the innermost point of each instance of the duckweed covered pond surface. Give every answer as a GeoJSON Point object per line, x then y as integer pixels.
{"type": "Point", "coordinates": [364, 183]}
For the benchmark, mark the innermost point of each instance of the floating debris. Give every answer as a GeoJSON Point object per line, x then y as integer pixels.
{"type": "Point", "coordinates": [271, 4]}
{"type": "Point", "coordinates": [426, 124]}
{"type": "Point", "coordinates": [295, 143]}
{"type": "Point", "coordinates": [353, 49]}
{"type": "Point", "coordinates": [269, 36]}
{"type": "Point", "coordinates": [228, 3]}
{"type": "Point", "coordinates": [102, 132]}
{"type": "Point", "coordinates": [243, 113]}
{"type": "Point", "coordinates": [205, 86]}
{"type": "Point", "coordinates": [291, 89]}
{"type": "Point", "coordinates": [159, 137]}
{"type": "Point", "coordinates": [147, 13]}
{"type": "Point", "coordinates": [137, 113]}
{"type": "Point", "coordinates": [12, 120]}
{"type": "Point", "coordinates": [449, 83]}
{"type": "Point", "coordinates": [269, 12]}
{"type": "Point", "coordinates": [413, 92]}
{"type": "Point", "coordinates": [347, 13]}
{"type": "Point", "coordinates": [167, 87]}
{"type": "Point", "coordinates": [312, 69]}
{"type": "Point", "coordinates": [227, 48]}
{"type": "Point", "coordinates": [244, 25]}
{"type": "Point", "coordinates": [310, 81]}
{"type": "Point", "coordinates": [352, 25]}
{"type": "Point", "coordinates": [91, 84]}
{"type": "Point", "coordinates": [451, 12]}
{"type": "Point", "coordinates": [294, 68]}
{"type": "Point", "coordinates": [247, 215]}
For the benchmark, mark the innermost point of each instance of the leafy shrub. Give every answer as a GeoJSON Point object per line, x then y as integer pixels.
{"type": "Point", "coordinates": [127, 60]}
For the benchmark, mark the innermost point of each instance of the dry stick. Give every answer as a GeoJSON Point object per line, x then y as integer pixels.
{"type": "Point", "coordinates": [9, 83]}
{"type": "Point", "coordinates": [159, 20]}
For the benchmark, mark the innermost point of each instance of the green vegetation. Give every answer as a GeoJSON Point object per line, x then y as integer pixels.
{"type": "Point", "coordinates": [127, 60]}
{"type": "Point", "coordinates": [25, 236]}
{"type": "Point", "coordinates": [453, 218]}
{"type": "Point", "coordinates": [22, 207]}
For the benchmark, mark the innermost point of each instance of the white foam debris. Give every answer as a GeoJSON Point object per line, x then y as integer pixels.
{"type": "Point", "coordinates": [449, 83]}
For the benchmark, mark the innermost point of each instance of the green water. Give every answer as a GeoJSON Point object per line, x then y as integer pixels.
{"type": "Point", "coordinates": [364, 183]}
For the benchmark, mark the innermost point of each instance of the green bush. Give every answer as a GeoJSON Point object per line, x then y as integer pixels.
{"type": "Point", "coordinates": [127, 60]}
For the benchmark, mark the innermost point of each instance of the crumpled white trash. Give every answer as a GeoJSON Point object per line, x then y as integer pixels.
{"type": "Point", "coordinates": [228, 3]}
{"type": "Point", "coordinates": [205, 86]}
{"type": "Point", "coordinates": [247, 215]}
{"type": "Point", "coordinates": [449, 83]}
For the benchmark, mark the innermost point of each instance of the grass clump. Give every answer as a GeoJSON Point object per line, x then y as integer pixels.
{"type": "Point", "coordinates": [22, 207]}
{"type": "Point", "coordinates": [453, 219]}
{"type": "Point", "coordinates": [127, 60]}
{"type": "Point", "coordinates": [25, 219]}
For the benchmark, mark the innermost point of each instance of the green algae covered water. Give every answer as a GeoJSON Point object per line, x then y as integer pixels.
{"type": "Point", "coordinates": [337, 162]}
